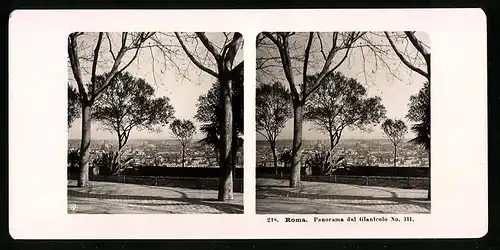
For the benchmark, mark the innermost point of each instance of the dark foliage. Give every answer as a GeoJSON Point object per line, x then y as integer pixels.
{"type": "Point", "coordinates": [339, 103]}
{"type": "Point", "coordinates": [129, 103]}
{"type": "Point", "coordinates": [420, 112]}
{"type": "Point", "coordinates": [74, 108]}
{"type": "Point", "coordinates": [325, 162]}
{"type": "Point", "coordinates": [210, 112]}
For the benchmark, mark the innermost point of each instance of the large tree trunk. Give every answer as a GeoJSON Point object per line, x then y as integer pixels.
{"type": "Point", "coordinates": [297, 144]}
{"type": "Point", "coordinates": [226, 180]}
{"type": "Point", "coordinates": [275, 158]}
{"type": "Point", "coordinates": [83, 180]}
{"type": "Point", "coordinates": [234, 150]}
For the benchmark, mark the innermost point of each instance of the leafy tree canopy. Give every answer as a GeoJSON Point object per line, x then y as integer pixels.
{"type": "Point", "coordinates": [183, 130]}
{"type": "Point", "coordinates": [210, 111]}
{"type": "Point", "coordinates": [74, 109]}
{"type": "Point", "coordinates": [129, 103]}
{"type": "Point", "coordinates": [273, 109]}
{"type": "Point", "coordinates": [395, 130]}
{"type": "Point", "coordinates": [420, 112]}
{"type": "Point", "coordinates": [341, 102]}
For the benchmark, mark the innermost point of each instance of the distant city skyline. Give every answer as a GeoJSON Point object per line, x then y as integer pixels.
{"type": "Point", "coordinates": [194, 140]}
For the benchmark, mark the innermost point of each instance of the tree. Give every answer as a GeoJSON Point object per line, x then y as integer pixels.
{"type": "Point", "coordinates": [129, 103]}
{"type": "Point", "coordinates": [225, 72]}
{"type": "Point", "coordinates": [210, 113]}
{"type": "Point", "coordinates": [88, 91]}
{"type": "Point", "coordinates": [420, 112]}
{"type": "Point", "coordinates": [272, 110]}
{"type": "Point", "coordinates": [73, 105]}
{"type": "Point", "coordinates": [183, 131]}
{"type": "Point", "coordinates": [305, 59]}
{"type": "Point", "coordinates": [298, 53]}
{"type": "Point", "coordinates": [395, 131]}
{"type": "Point", "coordinates": [341, 102]}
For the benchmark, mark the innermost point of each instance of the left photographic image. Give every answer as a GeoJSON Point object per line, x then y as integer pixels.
{"type": "Point", "coordinates": [155, 123]}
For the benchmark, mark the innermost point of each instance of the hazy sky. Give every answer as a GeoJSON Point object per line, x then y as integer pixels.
{"type": "Point", "coordinates": [395, 93]}
{"type": "Point", "coordinates": [182, 91]}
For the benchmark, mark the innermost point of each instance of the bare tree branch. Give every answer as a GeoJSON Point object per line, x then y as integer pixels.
{"type": "Point", "coordinates": [416, 43]}
{"type": "Point", "coordinates": [364, 65]}
{"type": "Point", "coordinates": [208, 45]}
{"type": "Point", "coordinates": [124, 39]}
{"type": "Point", "coordinates": [403, 59]}
{"type": "Point", "coordinates": [94, 62]}
{"type": "Point", "coordinates": [114, 68]}
{"type": "Point", "coordinates": [193, 59]}
{"type": "Point", "coordinates": [306, 60]}
{"type": "Point", "coordinates": [326, 69]}
{"type": "Point", "coordinates": [110, 47]}
{"type": "Point", "coordinates": [230, 51]}
{"type": "Point", "coordinates": [266, 136]}
{"type": "Point", "coordinates": [131, 60]}
{"type": "Point", "coordinates": [75, 64]}
{"type": "Point", "coordinates": [321, 46]}
{"type": "Point", "coordinates": [421, 47]}
{"type": "Point", "coordinates": [285, 59]}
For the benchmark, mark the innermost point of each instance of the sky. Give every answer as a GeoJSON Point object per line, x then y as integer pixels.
{"type": "Point", "coordinates": [182, 91]}
{"type": "Point", "coordinates": [395, 93]}
{"type": "Point", "coordinates": [184, 83]}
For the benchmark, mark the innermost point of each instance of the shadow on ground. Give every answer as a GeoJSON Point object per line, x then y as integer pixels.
{"type": "Point", "coordinates": [267, 191]}
{"type": "Point", "coordinates": [213, 203]}
{"type": "Point", "coordinates": [165, 181]}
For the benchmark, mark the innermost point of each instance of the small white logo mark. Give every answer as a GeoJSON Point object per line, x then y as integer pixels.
{"type": "Point", "coordinates": [73, 207]}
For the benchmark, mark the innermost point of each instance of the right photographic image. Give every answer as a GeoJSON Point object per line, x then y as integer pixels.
{"type": "Point", "coordinates": [343, 122]}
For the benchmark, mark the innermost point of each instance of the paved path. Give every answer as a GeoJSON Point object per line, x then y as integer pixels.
{"type": "Point", "coordinates": [275, 197]}
{"type": "Point", "coordinates": [121, 198]}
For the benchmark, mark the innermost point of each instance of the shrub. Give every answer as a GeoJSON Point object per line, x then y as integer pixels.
{"type": "Point", "coordinates": [325, 162]}
{"type": "Point", "coordinates": [108, 161]}
{"type": "Point", "coordinates": [286, 157]}
{"type": "Point", "coordinates": [73, 158]}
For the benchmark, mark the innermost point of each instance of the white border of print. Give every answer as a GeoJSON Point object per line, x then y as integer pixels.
{"type": "Point", "coordinates": [38, 132]}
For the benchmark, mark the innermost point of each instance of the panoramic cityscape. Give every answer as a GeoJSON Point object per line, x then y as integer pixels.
{"type": "Point", "coordinates": [326, 136]}
{"type": "Point", "coordinates": [358, 152]}
{"type": "Point", "coordinates": [163, 153]}
{"type": "Point", "coordinates": [330, 122]}
{"type": "Point", "coordinates": [153, 85]}
{"type": "Point", "coordinates": [338, 112]}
